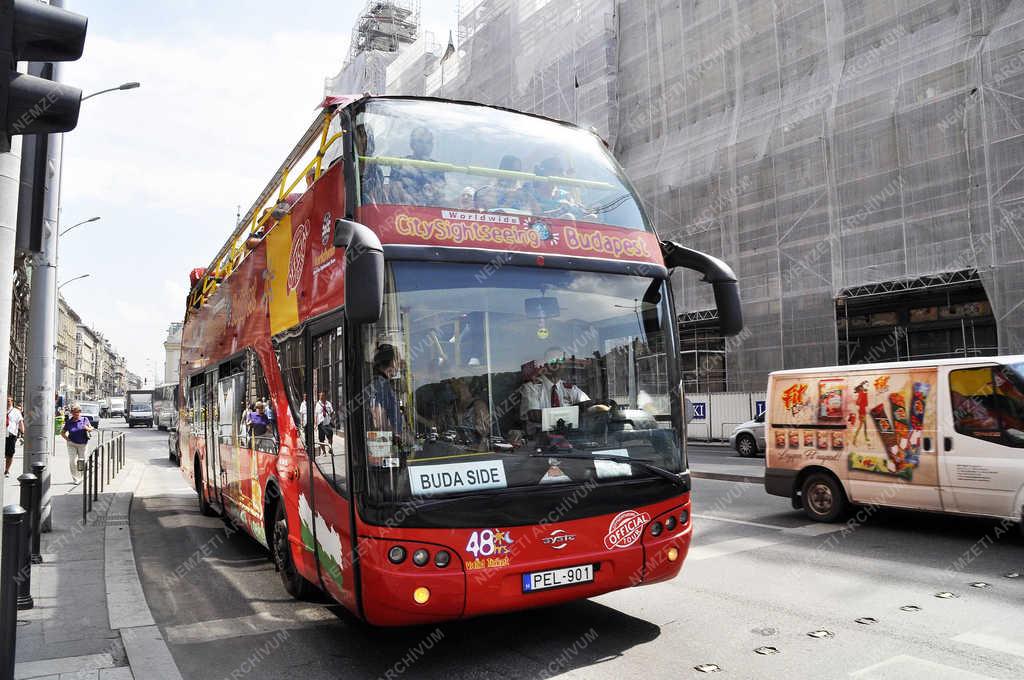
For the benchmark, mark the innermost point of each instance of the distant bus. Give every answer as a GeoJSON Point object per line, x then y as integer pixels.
{"type": "Point", "coordinates": [165, 406]}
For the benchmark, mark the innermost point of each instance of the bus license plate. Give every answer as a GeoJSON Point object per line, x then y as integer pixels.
{"type": "Point", "coordinates": [555, 578]}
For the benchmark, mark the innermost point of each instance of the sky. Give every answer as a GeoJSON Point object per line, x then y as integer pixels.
{"type": "Point", "coordinates": [227, 89]}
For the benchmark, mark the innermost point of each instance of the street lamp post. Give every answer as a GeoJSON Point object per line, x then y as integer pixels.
{"type": "Point", "coordinates": [43, 312]}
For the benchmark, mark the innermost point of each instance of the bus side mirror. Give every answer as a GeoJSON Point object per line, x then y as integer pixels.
{"type": "Point", "coordinates": [364, 271]}
{"type": "Point", "coordinates": [718, 274]}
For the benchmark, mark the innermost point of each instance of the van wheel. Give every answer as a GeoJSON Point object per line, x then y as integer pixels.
{"type": "Point", "coordinates": [204, 505]}
{"type": "Point", "coordinates": [297, 586]}
{"type": "Point", "coordinates": [823, 498]}
{"type": "Point", "coordinates": [745, 446]}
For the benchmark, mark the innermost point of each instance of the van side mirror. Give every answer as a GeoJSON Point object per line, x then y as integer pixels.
{"type": "Point", "coordinates": [718, 274]}
{"type": "Point", "coordinates": [364, 271]}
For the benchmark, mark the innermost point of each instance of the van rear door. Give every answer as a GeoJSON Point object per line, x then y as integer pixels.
{"type": "Point", "coordinates": [982, 447]}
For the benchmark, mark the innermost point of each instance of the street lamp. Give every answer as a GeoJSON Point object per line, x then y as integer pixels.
{"type": "Point", "coordinates": [83, 276]}
{"type": "Point", "coordinates": [122, 86]}
{"type": "Point", "coordinates": [91, 219]}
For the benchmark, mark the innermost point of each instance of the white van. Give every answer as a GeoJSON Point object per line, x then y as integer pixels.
{"type": "Point", "coordinates": [944, 435]}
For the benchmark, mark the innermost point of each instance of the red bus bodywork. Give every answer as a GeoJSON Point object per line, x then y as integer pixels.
{"type": "Point", "coordinates": [295, 274]}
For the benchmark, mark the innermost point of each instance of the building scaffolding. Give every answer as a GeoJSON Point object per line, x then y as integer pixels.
{"type": "Point", "coordinates": [824, 149]}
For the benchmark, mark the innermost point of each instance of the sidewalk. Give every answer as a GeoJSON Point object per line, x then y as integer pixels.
{"type": "Point", "coordinates": [90, 619]}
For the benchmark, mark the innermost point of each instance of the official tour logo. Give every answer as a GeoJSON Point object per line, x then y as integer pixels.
{"type": "Point", "coordinates": [544, 232]}
{"type": "Point", "coordinates": [298, 255]}
{"type": "Point", "coordinates": [625, 529]}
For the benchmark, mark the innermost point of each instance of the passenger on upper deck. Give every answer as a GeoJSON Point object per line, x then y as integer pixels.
{"type": "Point", "coordinates": [509, 192]}
{"type": "Point", "coordinates": [548, 197]}
{"type": "Point", "coordinates": [412, 185]}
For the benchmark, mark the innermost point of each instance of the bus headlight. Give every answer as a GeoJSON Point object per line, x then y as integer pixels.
{"type": "Point", "coordinates": [396, 554]}
{"type": "Point", "coordinates": [684, 517]}
{"type": "Point", "coordinates": [420, 557]}
{"type": "Point", "coordinates": [670, 522]}
{"type": "Point", "coordinates": [656, 529]}
{"type": "Point", "coordinates": [673, 554]}
{"type": "Point", "coordinates": [442, 558]}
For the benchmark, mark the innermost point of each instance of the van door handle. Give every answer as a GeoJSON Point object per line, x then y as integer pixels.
{"type": "Point", "coordinates": [947, 443]}
{"type": "Point", "coordinates": [927, 443]}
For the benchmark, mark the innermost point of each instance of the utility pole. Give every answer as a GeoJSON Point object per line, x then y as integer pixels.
{"type": "Point", "coordinates": [42, 318]}
{"type": "Point", "coordinates": [10, 169]}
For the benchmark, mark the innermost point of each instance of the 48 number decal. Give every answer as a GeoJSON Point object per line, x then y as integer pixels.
{"type": "Point", "coordinates": [489, 542]}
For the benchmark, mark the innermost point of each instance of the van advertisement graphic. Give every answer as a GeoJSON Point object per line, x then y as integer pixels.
{"type": "Point", "coordinates": [864, 425]}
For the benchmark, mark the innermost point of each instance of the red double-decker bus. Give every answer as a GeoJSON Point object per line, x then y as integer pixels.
{"type": "Point", "coordinates": [435, 368]}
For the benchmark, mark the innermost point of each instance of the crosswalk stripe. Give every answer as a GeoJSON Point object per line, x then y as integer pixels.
{"type": "Point", "coordinates": [256, 624]}
{"type": "Point", "coordinates": [906, 666]}
{"type": "Point", "coordinates": [722, 548]}
{"type": "Point", "coordinates": [993, 641]}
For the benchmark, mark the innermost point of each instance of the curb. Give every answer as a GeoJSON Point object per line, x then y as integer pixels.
{"type": "Point", "coordinates": [726, 477]}
{"type": "Point", "coordinates": [148, 654]}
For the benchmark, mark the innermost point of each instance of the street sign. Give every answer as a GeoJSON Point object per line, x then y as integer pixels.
{"type": "Point", "coordinates": [759, 408]}
{"type": "Point", "coordinates": [700, 410]}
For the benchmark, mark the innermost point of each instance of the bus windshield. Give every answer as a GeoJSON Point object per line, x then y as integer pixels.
{"type": "Point", "coordinates": [460, 156]}
{"type": "Point", "coordinates": [482, 379]}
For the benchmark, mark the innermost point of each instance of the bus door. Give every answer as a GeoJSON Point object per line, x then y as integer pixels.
{"type": "Point", "coordinates": [213, 467]}
{"type": "Point", "coordinates": [327, 440]}
{"type": "Point", "coordinates": [230, 416]}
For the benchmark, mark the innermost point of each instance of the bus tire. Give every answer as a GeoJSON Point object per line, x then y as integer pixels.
{"type": "Point", "coordinates": [297, 586]}
{"type": "Point", "coordinates": [204, 505]}
{"type": "Point", "coordinates": [823, 497]}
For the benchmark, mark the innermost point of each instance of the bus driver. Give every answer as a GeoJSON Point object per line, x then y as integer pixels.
{"type": "Point", "coordinates": [544, 387]}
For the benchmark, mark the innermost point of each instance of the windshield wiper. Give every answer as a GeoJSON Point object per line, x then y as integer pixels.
{"type": "Point", "coordinates": [650, 467]}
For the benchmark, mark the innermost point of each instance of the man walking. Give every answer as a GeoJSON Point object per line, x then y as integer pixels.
{"type": "Point", "coordinates": [15, 429]}
{"type": "Point", "coordinates": [76, 433]}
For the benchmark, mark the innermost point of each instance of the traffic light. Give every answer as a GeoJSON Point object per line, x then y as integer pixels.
{"type": "Point", "coordinates": [31, 30]}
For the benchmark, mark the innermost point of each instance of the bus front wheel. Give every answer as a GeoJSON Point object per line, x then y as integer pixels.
{"type": "Point", "coordinates": [823, 498]}
{"type": "Point", "coordinates": [297, 586]}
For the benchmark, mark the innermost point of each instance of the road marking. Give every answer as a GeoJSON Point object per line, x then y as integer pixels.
{"type": "Point", "coordinates": [722, 548]}
{"type": "Point", "coordinates": [744, 522]}
{"type": "Point", "coordinates": [993, 641]}
{"type": "Point", "coordinates": [256, 624]}
{"type": "Point", "coordinates": [906, 666]}
{"type": "Point", "coordinates": [813, 529]}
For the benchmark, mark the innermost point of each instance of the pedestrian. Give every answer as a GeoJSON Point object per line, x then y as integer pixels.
{"type": "Point", "coordinates": [76, 433]}
{"type": "Point", "coordinates": [15, 430]}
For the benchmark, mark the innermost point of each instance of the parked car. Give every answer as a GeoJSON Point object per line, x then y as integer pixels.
{"type": "Point", "coordinates": [91, 410]}
{"type": "Point", "coordinates": [748, 437]}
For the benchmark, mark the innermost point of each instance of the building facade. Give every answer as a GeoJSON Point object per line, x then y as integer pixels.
{"type": "Point", "coordinates": [67, 350]}
{"type": "Point", "coordinates": [857, 163]}
{"type": "Point", "coordinates": [172, 353]}
{"type": "Point", "coordinates": [87, 363]}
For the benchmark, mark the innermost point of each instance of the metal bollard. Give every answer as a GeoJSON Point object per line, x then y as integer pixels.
{"type": "Point", "coordinates": [37, 512]}
{"type": "Point", "coordinates": [28, 482]}
{"type": "Point", "coordinates": [85, 497]}
{"type": "Point", "coordinates": [13, 533]}
{"type": "Point", "coordinates": [95, 477]}
{"type": "Point", "coordinates": [99, 457]}
{"type": "Point", "coordinates": [89, 481]}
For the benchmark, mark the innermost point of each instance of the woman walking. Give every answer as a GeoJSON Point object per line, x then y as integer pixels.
{"type": "Point", "coordinates": [76, 433]}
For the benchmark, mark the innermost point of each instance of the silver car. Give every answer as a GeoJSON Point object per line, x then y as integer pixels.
{"type": "Point", "coordinates": [748, 437]}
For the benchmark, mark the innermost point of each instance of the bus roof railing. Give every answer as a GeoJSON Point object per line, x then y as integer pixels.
{"type": "Point", "coordinates": [234, 249]}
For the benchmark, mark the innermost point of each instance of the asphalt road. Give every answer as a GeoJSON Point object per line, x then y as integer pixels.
{"type": "Point", "coordinates": [759, 577]}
